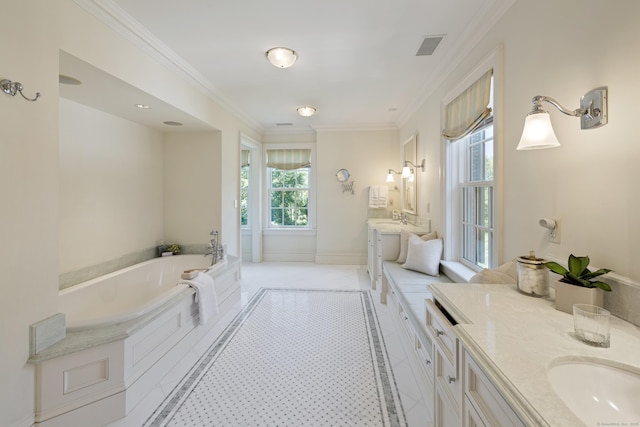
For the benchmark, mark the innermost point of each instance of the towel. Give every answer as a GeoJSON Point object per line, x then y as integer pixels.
{"type": "Point", "coordinates": [205, 296]}
{"type": "Point", "coordinates": [373, 196]}
{"type": "Point", "coordinates": [383, 195]}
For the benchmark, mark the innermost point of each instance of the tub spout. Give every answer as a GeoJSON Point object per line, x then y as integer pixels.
{"type": "Point", "coordinates": [215, 249]}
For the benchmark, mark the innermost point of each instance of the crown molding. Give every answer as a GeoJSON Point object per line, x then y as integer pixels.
{"type": "Point", "coordinates": [114, 17]}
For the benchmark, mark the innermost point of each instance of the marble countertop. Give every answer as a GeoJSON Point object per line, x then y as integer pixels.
{"type": "Point", "coordinates": [388, 225]}
{"type": "Point", "coordinates": [516, 338]}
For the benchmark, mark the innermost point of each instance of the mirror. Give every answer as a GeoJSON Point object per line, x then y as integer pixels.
{"type": "Point", "coordinates": [409, 191]}
{"type": "Point", "coordinates": [343, 175]}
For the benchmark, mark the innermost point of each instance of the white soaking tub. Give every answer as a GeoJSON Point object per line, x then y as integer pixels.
{"type": "Point", "coordinates": [128, 293]}
{"type": "Point", "coordinates": [125, 331]}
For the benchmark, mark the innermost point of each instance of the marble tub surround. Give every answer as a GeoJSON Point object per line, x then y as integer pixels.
{"type": "Point", "coordinates": [516, 338]}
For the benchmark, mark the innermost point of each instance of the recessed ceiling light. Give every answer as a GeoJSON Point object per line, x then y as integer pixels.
{"type": "Point", "coordinates": [68, 80]}
{"type": "Point", "coordinates": [306, 111]}
{"type": "Point", "coordinates": [142, 106]}
{"type": "Point", "coordinates": [170, 123]}
{"type": "Point", "coordinates": [281, 57]}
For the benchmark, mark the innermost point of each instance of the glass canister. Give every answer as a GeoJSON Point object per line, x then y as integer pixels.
{"type": "Point", "coordinates": [533, 275]}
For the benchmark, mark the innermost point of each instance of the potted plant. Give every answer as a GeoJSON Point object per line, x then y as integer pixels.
{"type": "Point", "coordinates": [577, 285]}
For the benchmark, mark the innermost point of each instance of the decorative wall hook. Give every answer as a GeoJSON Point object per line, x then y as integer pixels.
{"type": "Point", "coordinates": [11, 88]}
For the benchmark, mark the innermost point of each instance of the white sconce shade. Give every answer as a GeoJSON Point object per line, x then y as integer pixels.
{"type": "Point", "coordinates": [390, 177]}
{"type": "Point", "coordinates": [281, 57]}
{"type": "Point", "coordinates": [538, 132]}
{"type": "Point", "coordinates": [406, 172]}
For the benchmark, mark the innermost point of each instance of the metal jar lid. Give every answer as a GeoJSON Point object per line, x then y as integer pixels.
{"type": "Point", "coordinates": [531, 259]}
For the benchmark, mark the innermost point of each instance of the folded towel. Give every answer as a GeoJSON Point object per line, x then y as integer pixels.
{"type": "Point", "coordinates": [383, 196]}
{"type": "Point", "coordinates": [205, 296]}
{"type": "Point", "coordinates": [374, 191]}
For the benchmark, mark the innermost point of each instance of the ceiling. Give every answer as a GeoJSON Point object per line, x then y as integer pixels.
{"type": "Point", "coordinates": [356, 64]}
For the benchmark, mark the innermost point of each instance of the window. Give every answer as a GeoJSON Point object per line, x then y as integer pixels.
{"type": "Point", "coordinates": [289, 195]}
{"type": "Point", "coordinates": [470, 191]}
{"type": "Point", "coordinates": [244, 196]}
{"type": "Point", "coordinates": [289, 177]}
{"type": "Point", "coordinates": [477, 198]}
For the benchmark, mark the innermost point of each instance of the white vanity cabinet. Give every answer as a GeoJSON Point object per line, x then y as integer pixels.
{"type": "Point", "coordinates": [464, 394]}
{"type": "Point", "coordinates": [484, 405]}
{"type": "Point", "coordinates": [448, 382]}
{"type": "Point", "coordinates": [384, 245]}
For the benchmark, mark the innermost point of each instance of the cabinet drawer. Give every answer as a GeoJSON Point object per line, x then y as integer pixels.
{"type": "Point", "coordinates": [447, 377]}
{"type": "Point", "coordinates": [492, 408]}
{"type": "Point", "coordinates": [441, 331]}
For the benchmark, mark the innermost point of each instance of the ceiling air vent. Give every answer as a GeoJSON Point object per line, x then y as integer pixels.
{"type": "Point", "coordinates": [284, 124]}
{"type": "Point", "coordinates": [429, 45]}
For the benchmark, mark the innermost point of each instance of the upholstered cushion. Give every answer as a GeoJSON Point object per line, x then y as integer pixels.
{"type": "Point", "coordinates": [404, 241]}
{"type": "Point", "coordinates": [502, 275]}
{"type": "Point", "coordinates": [424, 256]}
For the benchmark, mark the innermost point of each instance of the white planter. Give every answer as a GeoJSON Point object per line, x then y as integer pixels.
{"type": "Point", "coordinates": [568, 294]}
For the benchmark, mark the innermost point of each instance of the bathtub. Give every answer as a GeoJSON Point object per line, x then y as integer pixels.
{"type": "Point", "coordinates": [128, 293]}
{"type": "Point", "coordinates": [125, 331]}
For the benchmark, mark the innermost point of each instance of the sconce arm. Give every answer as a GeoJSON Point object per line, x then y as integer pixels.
{"type": "Point", "coordinates": [537, 106]}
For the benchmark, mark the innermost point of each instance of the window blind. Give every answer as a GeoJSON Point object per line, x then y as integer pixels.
{"type": "Point", "coordinates": [244, 158]}
{"type": "Point", "coordinates": [469, 109]}
{"type": "Point", "coordinates": [289, 159]}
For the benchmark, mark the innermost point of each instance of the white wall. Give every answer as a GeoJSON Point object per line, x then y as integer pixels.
{"type": "Point", "coordinates": [341, 221]}
{"type": "Point", "coordinates": [589, 182]}
{"type": "Point", "coordinates": [29, 194]}
{"type": "Point", "coordinates": [111, 186]}
{"type": "Point", "coordinates": [192, 186]}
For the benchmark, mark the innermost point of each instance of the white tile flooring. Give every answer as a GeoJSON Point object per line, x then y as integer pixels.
{"type": "Point", "coordinates": [299, 276]}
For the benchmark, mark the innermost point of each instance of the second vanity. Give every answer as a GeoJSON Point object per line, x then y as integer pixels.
{"type": "Point", "coordinates": [494, 348]}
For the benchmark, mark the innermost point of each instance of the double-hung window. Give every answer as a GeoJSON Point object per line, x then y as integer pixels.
{"type": "Point", "coordinates": [470, 193]}
{"type": "Point", "coordinates": [289, 181]}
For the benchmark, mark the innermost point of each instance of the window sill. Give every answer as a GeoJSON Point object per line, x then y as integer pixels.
{"type": "Point", "coordinates": [457, 272]}
{"type": "Point", "coordinates": [289, 232]}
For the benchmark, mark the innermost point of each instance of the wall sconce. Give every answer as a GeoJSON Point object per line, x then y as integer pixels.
{"type": "Point", "coordinates": [538, 132]}
{"type": "Point", "coordinates": [407, 171]}
{"type": "Point", "coordinates": [390, 177]}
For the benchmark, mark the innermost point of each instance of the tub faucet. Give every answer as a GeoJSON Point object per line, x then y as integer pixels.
{"type": "Point", "coordinates": [215, 249]}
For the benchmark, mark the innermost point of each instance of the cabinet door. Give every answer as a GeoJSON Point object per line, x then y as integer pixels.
{"type": "Point", "coordinates": [470, 416]}
{"type": "Point", "coordinates": [445, 414]}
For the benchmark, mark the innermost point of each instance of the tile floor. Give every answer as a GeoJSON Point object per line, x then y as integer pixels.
{"type": "Point", "coordinates": [287, 275]}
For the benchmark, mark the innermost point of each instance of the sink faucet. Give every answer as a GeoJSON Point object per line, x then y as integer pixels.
{"type": "Point", "coordinates": [215, 249]}
{"type": "Point", "coordinates": [403, 218]}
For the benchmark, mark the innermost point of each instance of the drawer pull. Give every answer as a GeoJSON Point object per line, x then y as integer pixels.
{"type": "Point", "coordinates": [427, 361]}
{"type": "Point", "coordinates": [451, 379]}
{"type": "Point", "coordinates": [439, 332]}
{"type": "Point", "coordinates": [406, 318]}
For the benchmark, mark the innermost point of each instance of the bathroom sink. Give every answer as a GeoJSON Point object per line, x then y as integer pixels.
{"type": "Point", "coordinates": [598, 393]}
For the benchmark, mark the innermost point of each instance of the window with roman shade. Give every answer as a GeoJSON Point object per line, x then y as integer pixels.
{"type": "Point", "coordinates": [470, 198]}
{"type": "Point", "coordinates": [289, 185]}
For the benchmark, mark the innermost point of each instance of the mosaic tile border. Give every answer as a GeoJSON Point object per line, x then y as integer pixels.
{"type": "Point", "coordinates": [391, 410]}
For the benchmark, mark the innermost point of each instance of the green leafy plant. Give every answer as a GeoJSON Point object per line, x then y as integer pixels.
{"type": "Point", "coordinates": [578, 274]}
{"type": "Point", "coordinates": [174, 248]}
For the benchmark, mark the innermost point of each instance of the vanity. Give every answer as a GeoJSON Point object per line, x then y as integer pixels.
{"type": "Point", "coordinates": [384, 244]}
{"type": "Point", "coordinates": [496, 353]}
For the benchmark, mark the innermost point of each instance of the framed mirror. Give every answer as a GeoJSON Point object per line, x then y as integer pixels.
{"type": "Point", "coordinates": [409, 196]}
